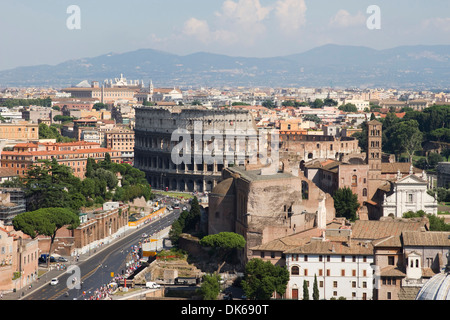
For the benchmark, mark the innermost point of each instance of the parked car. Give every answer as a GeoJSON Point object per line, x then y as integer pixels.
{"type": "Point", "coordinates": [144, 235]}
{"type": "Point", "coordinates": [44, 257]}
{"type": "Point", "coordinates": [152, 285]}
{"type": "Point", "coordinates": [62, 259]}
{"type": "Point", "coordinates": [54, 282]}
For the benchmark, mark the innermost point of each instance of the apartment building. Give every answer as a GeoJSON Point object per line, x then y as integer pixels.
{"type": "Point", "coordinates": [121, 140]}
{"type": "Point", "coordinates": [71, 154]}
{"type": "Point", "coordinates": [342, 268]}
{"type": "Point", "coordinates": [23, 130]}
{"type": "Point", "coordinates": [18, 259]}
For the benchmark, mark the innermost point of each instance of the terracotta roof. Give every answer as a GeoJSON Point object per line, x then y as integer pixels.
{"type": "Point", "coordinates": [387, 167]}
{"type": "Point", "coordinates": [392, 271]}
{"type": "Point", "coordinates": [379, 229]}
{"type": "Point", "coordinates": [289, 242]}
{"type": "Point", "coordinates": [392, 241]}
{"type": "Point", "coordinates": [334, 247]}
{"type": "Point", "coordinates": [57, 152]}
{"type": "Point", "coordinates": [428, 238]}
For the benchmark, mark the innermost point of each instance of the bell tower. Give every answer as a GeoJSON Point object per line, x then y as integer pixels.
{"type": "Point", "coordinates": [373, 158]}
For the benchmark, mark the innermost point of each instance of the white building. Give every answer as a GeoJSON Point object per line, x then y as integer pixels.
{"type": "Point", "coordinates": [342, 268]}
{"type": "Point", "coordinates": [409, 193]}
{"type": "Point", "coordinates": [361, 105]}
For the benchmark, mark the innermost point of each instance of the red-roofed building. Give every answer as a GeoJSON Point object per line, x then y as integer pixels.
{"type": "Point", "coordinates": [71, 154]}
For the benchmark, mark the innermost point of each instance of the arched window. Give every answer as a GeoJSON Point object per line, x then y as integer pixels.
{"type": "Point", "coordinates": [364, 192]}
{"type": "Point", "coordinates": [295, 271]}
{"type": "Point", "coordinates": [354, 181]}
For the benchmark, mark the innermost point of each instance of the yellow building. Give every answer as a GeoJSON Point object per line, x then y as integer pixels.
{"type": "Point", "coordinates": [19, 131]}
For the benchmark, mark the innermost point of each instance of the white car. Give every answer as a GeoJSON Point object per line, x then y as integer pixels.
{"type": "Point", "coordinates": [54, 282]}
{"type": "Point", "coordinates": [152, 285]}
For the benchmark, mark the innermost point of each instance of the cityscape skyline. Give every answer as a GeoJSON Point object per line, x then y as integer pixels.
{"type": "Point", "coordinates": [236, 28]}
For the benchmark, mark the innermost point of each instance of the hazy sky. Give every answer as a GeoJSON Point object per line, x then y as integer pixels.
{"type": "Point", "coordinates": [35, 32]}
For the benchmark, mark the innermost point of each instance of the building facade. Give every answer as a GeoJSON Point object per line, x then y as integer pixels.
{"type": "Point", "coordinates": [408, 194]}
{"type": "Point", "coordinates": [342, 270]}
{"type": "Point", "coordinates": [122, 140]}
{"type": "Point", "coordinates": [71, 154]}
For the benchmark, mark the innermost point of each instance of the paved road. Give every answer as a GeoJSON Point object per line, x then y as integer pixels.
{"type": "Point", "coordinates": [95, 267]}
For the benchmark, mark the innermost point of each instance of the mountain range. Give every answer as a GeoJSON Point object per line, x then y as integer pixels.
{"type": "Point", "coordinates": [417, 67]}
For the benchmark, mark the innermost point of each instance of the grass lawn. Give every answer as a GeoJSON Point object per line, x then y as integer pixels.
{"type": "Point", "coordinates": [174, 194]}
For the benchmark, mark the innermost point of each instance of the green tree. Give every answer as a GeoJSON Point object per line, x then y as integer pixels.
{"type": "Point", "coordinates": [50, 185]}
{"type": "Point", "coordinates": [315, 289]}
{"type": "Point", "coordinates": [194, 215]}
{"type": "Point", "coordinates": [99, 106]}
{"type": "Point", "coordinates": [225, 244]}
{"type": "Point", "coordinates": [46, 222]}
{"type": "Point", "coordinates": [446, 153]}
{"type": "Point", "coordinates": [406, 137]}
{"type": "Point", "coordinates": [269, 104]}
{"type": "Point", "coordinates": [362, 137]}
{"type": "Point", "coordinates": [346, 203]}
{"type": "Point", "coordinates": [348, 107]}
{"type": "Point", "coordinates": [318, 103]}
{"type": "Point", "coordinates": [262, 279]}
{"type": "Point", "coordinates": [436, 223]}
{"type": "Point", "coordinates": [330, 102]}
{"type": "Point", "coordinates": [210, 288]}
{"type": "Point", "coordinates": [305, 290]}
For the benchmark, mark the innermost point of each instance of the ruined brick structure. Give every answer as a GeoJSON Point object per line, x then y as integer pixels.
{"type": "Point", "coordinates": [263, 207]}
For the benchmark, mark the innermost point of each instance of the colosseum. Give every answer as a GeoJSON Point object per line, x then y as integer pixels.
{"type": "Point", "coordinates": [204, 132]}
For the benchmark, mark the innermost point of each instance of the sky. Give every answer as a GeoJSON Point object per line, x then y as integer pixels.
{"type": "Point", "coordinates": [41, 32]}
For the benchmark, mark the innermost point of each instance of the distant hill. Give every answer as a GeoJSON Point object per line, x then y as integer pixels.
{"type": "Point", "coordinates": [413, 67]}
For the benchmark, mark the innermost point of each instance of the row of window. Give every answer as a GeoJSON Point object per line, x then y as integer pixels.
{"type": "Point", "coordinates": [295, 271]}
{"type": "Point", "coordinates": [335, 284]}
{"type": "Point", "coordinates": [296, 257]}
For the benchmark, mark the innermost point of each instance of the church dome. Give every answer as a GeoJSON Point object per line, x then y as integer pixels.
{"type": "Point", "coordinates": [438, 287]}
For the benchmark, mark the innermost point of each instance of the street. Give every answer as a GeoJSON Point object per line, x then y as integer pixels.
{"type": "Point", "coordinates": [96, 268]}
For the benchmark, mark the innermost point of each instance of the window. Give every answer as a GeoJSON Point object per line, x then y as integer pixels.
{"type": "Point", "coordinates": [343, 273]}
{"type": "Point", "coordinates": [354, 181]}
{"type": "Point", "coordinates": [335, 284]}
{"type": "Point", "coordinates": [343, 258]}
{"type": "Point", "coordinates": [295, 271]}
{"type": "Point", "coordinates": [410, 197]}
{"type": "Point", "coordinates": [364, 192]}
{"type": "Point", "coordinates": [391, 260]}
{"type": "Point", "coordinates": [306, 272]}
{"type": "Point", "coordinates": [306, 258]}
